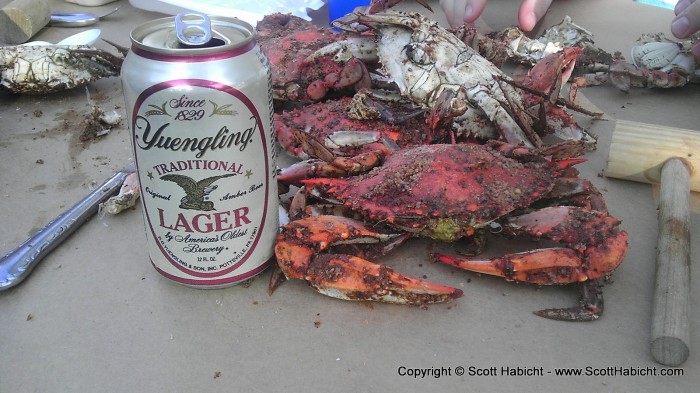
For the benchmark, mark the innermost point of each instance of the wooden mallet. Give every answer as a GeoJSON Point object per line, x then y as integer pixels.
{"type": "Point", "coordinates": [22, 19]}
{"type": "Point", "coordinates": [671, 157]}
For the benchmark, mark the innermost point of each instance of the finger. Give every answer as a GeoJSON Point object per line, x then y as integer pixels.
{"type": "Point", "coordinates": [682, 5]}
{"type": "Point", "coordinates": [459, 12]}
{"type": "Point", "coordinates": [688, 21]}
{"type": "Point", "coordinates": [448, 7]}
{"type": "Point", "coordinates": [531, 11]}
{"type": "Point", "coordinates": [472, 9]}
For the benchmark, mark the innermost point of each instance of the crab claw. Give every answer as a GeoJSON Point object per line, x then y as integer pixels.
{"type": "Point", "coordinates": [327, 164]}
{"type": "Point", "coordinates": [595, 248]}
{"type": "Point", "coordinates": [348, 277]}
{"type": "Point", "coordinates": [449, 104]}
{"type": "Point", "coordinates": [552, 72]}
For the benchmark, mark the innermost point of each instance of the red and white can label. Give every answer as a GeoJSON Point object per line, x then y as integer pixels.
{"type": "Point", "coordinates": [204, 162]}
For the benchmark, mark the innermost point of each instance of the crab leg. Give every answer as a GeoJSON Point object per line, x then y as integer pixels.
{"type": "Point", "coordinates": [590, 305]}
{"type": "Point", "coordinates": [543, 266]}
{"type": "Point", "coordinates": [327, 164]}
{"type": "Point", "coordinates": [338, 167]}
{"type": "Point", "coordinates": [507, 125]}
{"type": "Point", "coordinates": [542, 86]}
{"type": "Point", "coordinates": [299, 255]}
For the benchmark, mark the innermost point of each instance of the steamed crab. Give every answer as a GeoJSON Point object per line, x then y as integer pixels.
{"type": "Point", "coordinates": [31, 69]}
{"type": "Point", "coordinates": [435, 69]}
{"type": "Point", "coordinates": [288, 41]}
{"type": "Point", "coordinates": [656, 60]}
{"type": "Point", "coordinates": [447, 192]}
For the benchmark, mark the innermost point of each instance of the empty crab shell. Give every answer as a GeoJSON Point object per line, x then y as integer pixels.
{"type": "Point", "coordinates": [655, 55]}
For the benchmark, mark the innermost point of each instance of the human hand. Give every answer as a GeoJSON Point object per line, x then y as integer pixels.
{"type": "Point", "coordinates": [459, 12]}
{"type": "Point", "coordinates": [687, 21]}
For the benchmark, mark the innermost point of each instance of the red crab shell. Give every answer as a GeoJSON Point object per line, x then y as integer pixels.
{"type": "Point", "coordinates": [324, 118]}
{"type": "Point", "coordinates": [288, 41]}
{"type": "Point", "coordinates": [443, 191]}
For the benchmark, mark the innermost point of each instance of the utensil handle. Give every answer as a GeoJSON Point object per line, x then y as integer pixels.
{"type": "Point", "coordinates": [18, 263]}
{"type": "Point", "coordinates": [73, 19]}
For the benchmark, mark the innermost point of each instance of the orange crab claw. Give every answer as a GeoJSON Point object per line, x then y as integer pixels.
{"type": "Point", "coordinates": [553, 71]}
{"type": "Point", "coordinates": [345, 276]}
{"type": "Point", "coordinates": [596, 248]}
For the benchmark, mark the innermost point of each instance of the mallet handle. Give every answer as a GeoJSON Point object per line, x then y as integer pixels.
{"type": "Point", "coordinates": [670, 330]}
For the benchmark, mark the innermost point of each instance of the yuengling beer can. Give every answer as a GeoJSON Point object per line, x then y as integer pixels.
{"type": "Point", "coordinates": [199, 104]}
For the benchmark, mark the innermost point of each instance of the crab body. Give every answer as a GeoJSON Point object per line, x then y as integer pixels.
{"type": "Point", "coordinates": [442, 70]}
{"type": "Point", "coordinates": [426, 61]}
{"type": "Point", "coordinates": [33, 69]}
{"type": "Point", "coordinates": [444, 192]}
{"type": "Point", "coordinates": [288, 41]}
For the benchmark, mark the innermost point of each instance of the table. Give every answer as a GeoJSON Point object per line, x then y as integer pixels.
{"type": "Point", "coordinates": [95, 316]}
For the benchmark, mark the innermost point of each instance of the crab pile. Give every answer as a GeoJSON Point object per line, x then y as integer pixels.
{"type": "Point", "coordinates": [656, 61]}
{"type": "Point", "coordinates": [405, 130]}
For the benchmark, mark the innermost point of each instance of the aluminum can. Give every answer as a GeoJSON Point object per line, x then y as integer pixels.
{"type": "Point", "coordinates": [199, 107]}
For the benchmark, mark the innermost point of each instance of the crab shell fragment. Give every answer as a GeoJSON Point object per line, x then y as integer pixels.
{"type": "Point", "coordinates": [656, 52]}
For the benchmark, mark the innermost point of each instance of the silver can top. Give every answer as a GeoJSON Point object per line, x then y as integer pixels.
{"type": "Point", "coordinates": [192, 33]}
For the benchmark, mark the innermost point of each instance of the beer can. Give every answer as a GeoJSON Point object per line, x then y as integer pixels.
{"type": "Point", "coordinates": [199, 107]}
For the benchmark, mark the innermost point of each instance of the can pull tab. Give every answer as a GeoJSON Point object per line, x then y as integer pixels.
{"type": "Point", "coordinates": [193, 28]}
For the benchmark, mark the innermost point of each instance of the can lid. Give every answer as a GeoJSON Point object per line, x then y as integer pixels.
{"type": "Point", "coordinates": [192, 33]}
